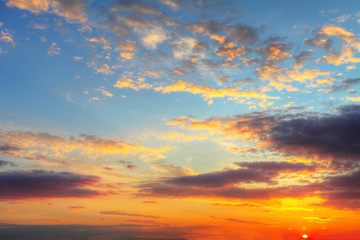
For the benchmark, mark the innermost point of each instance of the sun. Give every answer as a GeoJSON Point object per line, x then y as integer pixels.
{"type": "Point", "coordinates": [304, 236]}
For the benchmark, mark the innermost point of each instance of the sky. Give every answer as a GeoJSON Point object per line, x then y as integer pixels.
{"type": "Point", "coordinates": [175, 119]}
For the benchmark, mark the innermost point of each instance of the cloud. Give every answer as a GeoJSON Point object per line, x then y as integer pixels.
{"type": "Point", "coordinates": [4, 163]}
{"type": "Point", "coordinates": [77, 208]}
{"type": "Point", "coordinates": [41, 146]}
{"type": "Point", "coordinates": [121, 213]}
{"type": "Point", "coordinates": [72, 11]}
{"type": "Point", "coordinates": [78, 58]}
{"type": "Point", "coordinates": [153, 73]}
{"type": "Point", "coordinates": [100, 67]}
{"type": "Point", "coordinates": [35, 6]}
{"type": "Point", "coordinates": [354, 99]}
{"type": "Point", "coordinates": [244, 221]}
{"type": "Point", "coordinates": [152, 37]}
{"type": "Point", "coordinates": [99, 40]}
{"type": "Point", "coordinates": [53, 50]}
{"type": "Point", "coordinates": [136, 6]}
{"type": "Point", "coordinates": [174, 5]}
{"type": "Point", "coordinates": [37, 26]}
{"type": "Point", "coordinates": [7, 37]}
{"type": "Point", "coordinates": [159, 189]}
{"type": "Point", "coordinates": [342, 191]}
{"type": "Point", "coordinates": [137, 230]}
{"type": "Point", "coordinates": [206, 27]}
{"type": "Point", "coordinates": [345, 84]}
{"type": "Point", "coordinates": [179, 137]}
{"type": "Point", "coordinates": [331, 30]}
{"type": "Point", "coordinates": [243, 34]}
{"type": "Point", "coordinates": [183, 47]}
{"type": "Point", "coordinates": [332, 136]}
{"type": "Point", "coordinates": [104, 92]}
{"type": "Point", "coordinates": [281, 78]}
{"type": "Point", "coordinates": [209, 93]}
{"type": "Point", "coordinates": [275, 52]}
{"type": "Point", "coordinates": [345, 54]}
{"type": "Point", "coordinates": [178, 71]}
{"type": "Point", "coordinates": [303, 56]}
{"type": "Point", "coordinates": [172, 169]}
{"type": "Point", "coordinates": [251, 172]}
{"type": "Point", "coordinates": [231, 51]}
{"type": "Point", "coordinates": [46, 184]}
{"type": "Point", "coordinates": [127, 49]}
{"type": "Point", "coordinates": [128, 46]}
{"type": "Point", "coordinates": [328, 136]}
{"type": "Point", "coordinates": [338, 190]}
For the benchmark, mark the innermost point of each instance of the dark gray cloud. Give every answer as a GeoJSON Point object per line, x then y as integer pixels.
{"type": "Point", "coordinates": [4, 163]}
{"type": "Point", "coordinates": [303, 56]}
{"type": "Point", "coordinates": [345, 84]}
{"type": "Point", "coordinates": [223, 183]}
{"type": "Point", "coordinates": [7, 148]}
{"type": "Point", "coordinates": [116, 24]}
{"type": "Point", "coordinates": [45, 184]}
{"type": "Point", "coordinates": [162, 189]}
{"type": "Point", "coordinates": [321, 41]}
{"type": "Point", "coordinates": [243, 33]}
{"type": "Point", "coordinates": [243, 81]}
{"type": "Point", "coordinates": [333, 136]}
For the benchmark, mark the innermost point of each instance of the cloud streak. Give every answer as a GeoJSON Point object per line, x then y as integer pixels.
{"type": "Point", "coordinates": [38, 184]}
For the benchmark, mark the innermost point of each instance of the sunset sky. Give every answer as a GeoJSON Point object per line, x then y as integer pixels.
{"type": "Point", "coordinates": [176, 119]}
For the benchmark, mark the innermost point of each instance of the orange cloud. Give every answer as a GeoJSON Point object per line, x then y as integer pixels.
{"type": "Point", "coordinates": [28, 144]}
{"type": "Point", "coordinates": [73, 11]}
{"type": "Point", "coordinates": [99, 40]}
{"type": "Point", "coordinates": [102, 68]}
{"type": "Point", "coordinates": [209, 93]}
{"type": "Point", "coordinates": [34, 6]}
{"type": "Point", "coordinates": [127, 55]}
{"type": "Point", "coordinates": [220, 39]}
{"type": "Point", "coordinates": [229, 127]}
{"type": "Point", "coordinates": [230, 51]}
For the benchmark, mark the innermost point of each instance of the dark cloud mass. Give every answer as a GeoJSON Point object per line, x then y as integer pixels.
{"type": "Point", "coordinates": [45, 184]}
{"type": "Point", "coordinates": [334, 136]}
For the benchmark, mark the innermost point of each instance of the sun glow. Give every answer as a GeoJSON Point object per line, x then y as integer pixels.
{"type": "Point", "coordinates": [304, 236]}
